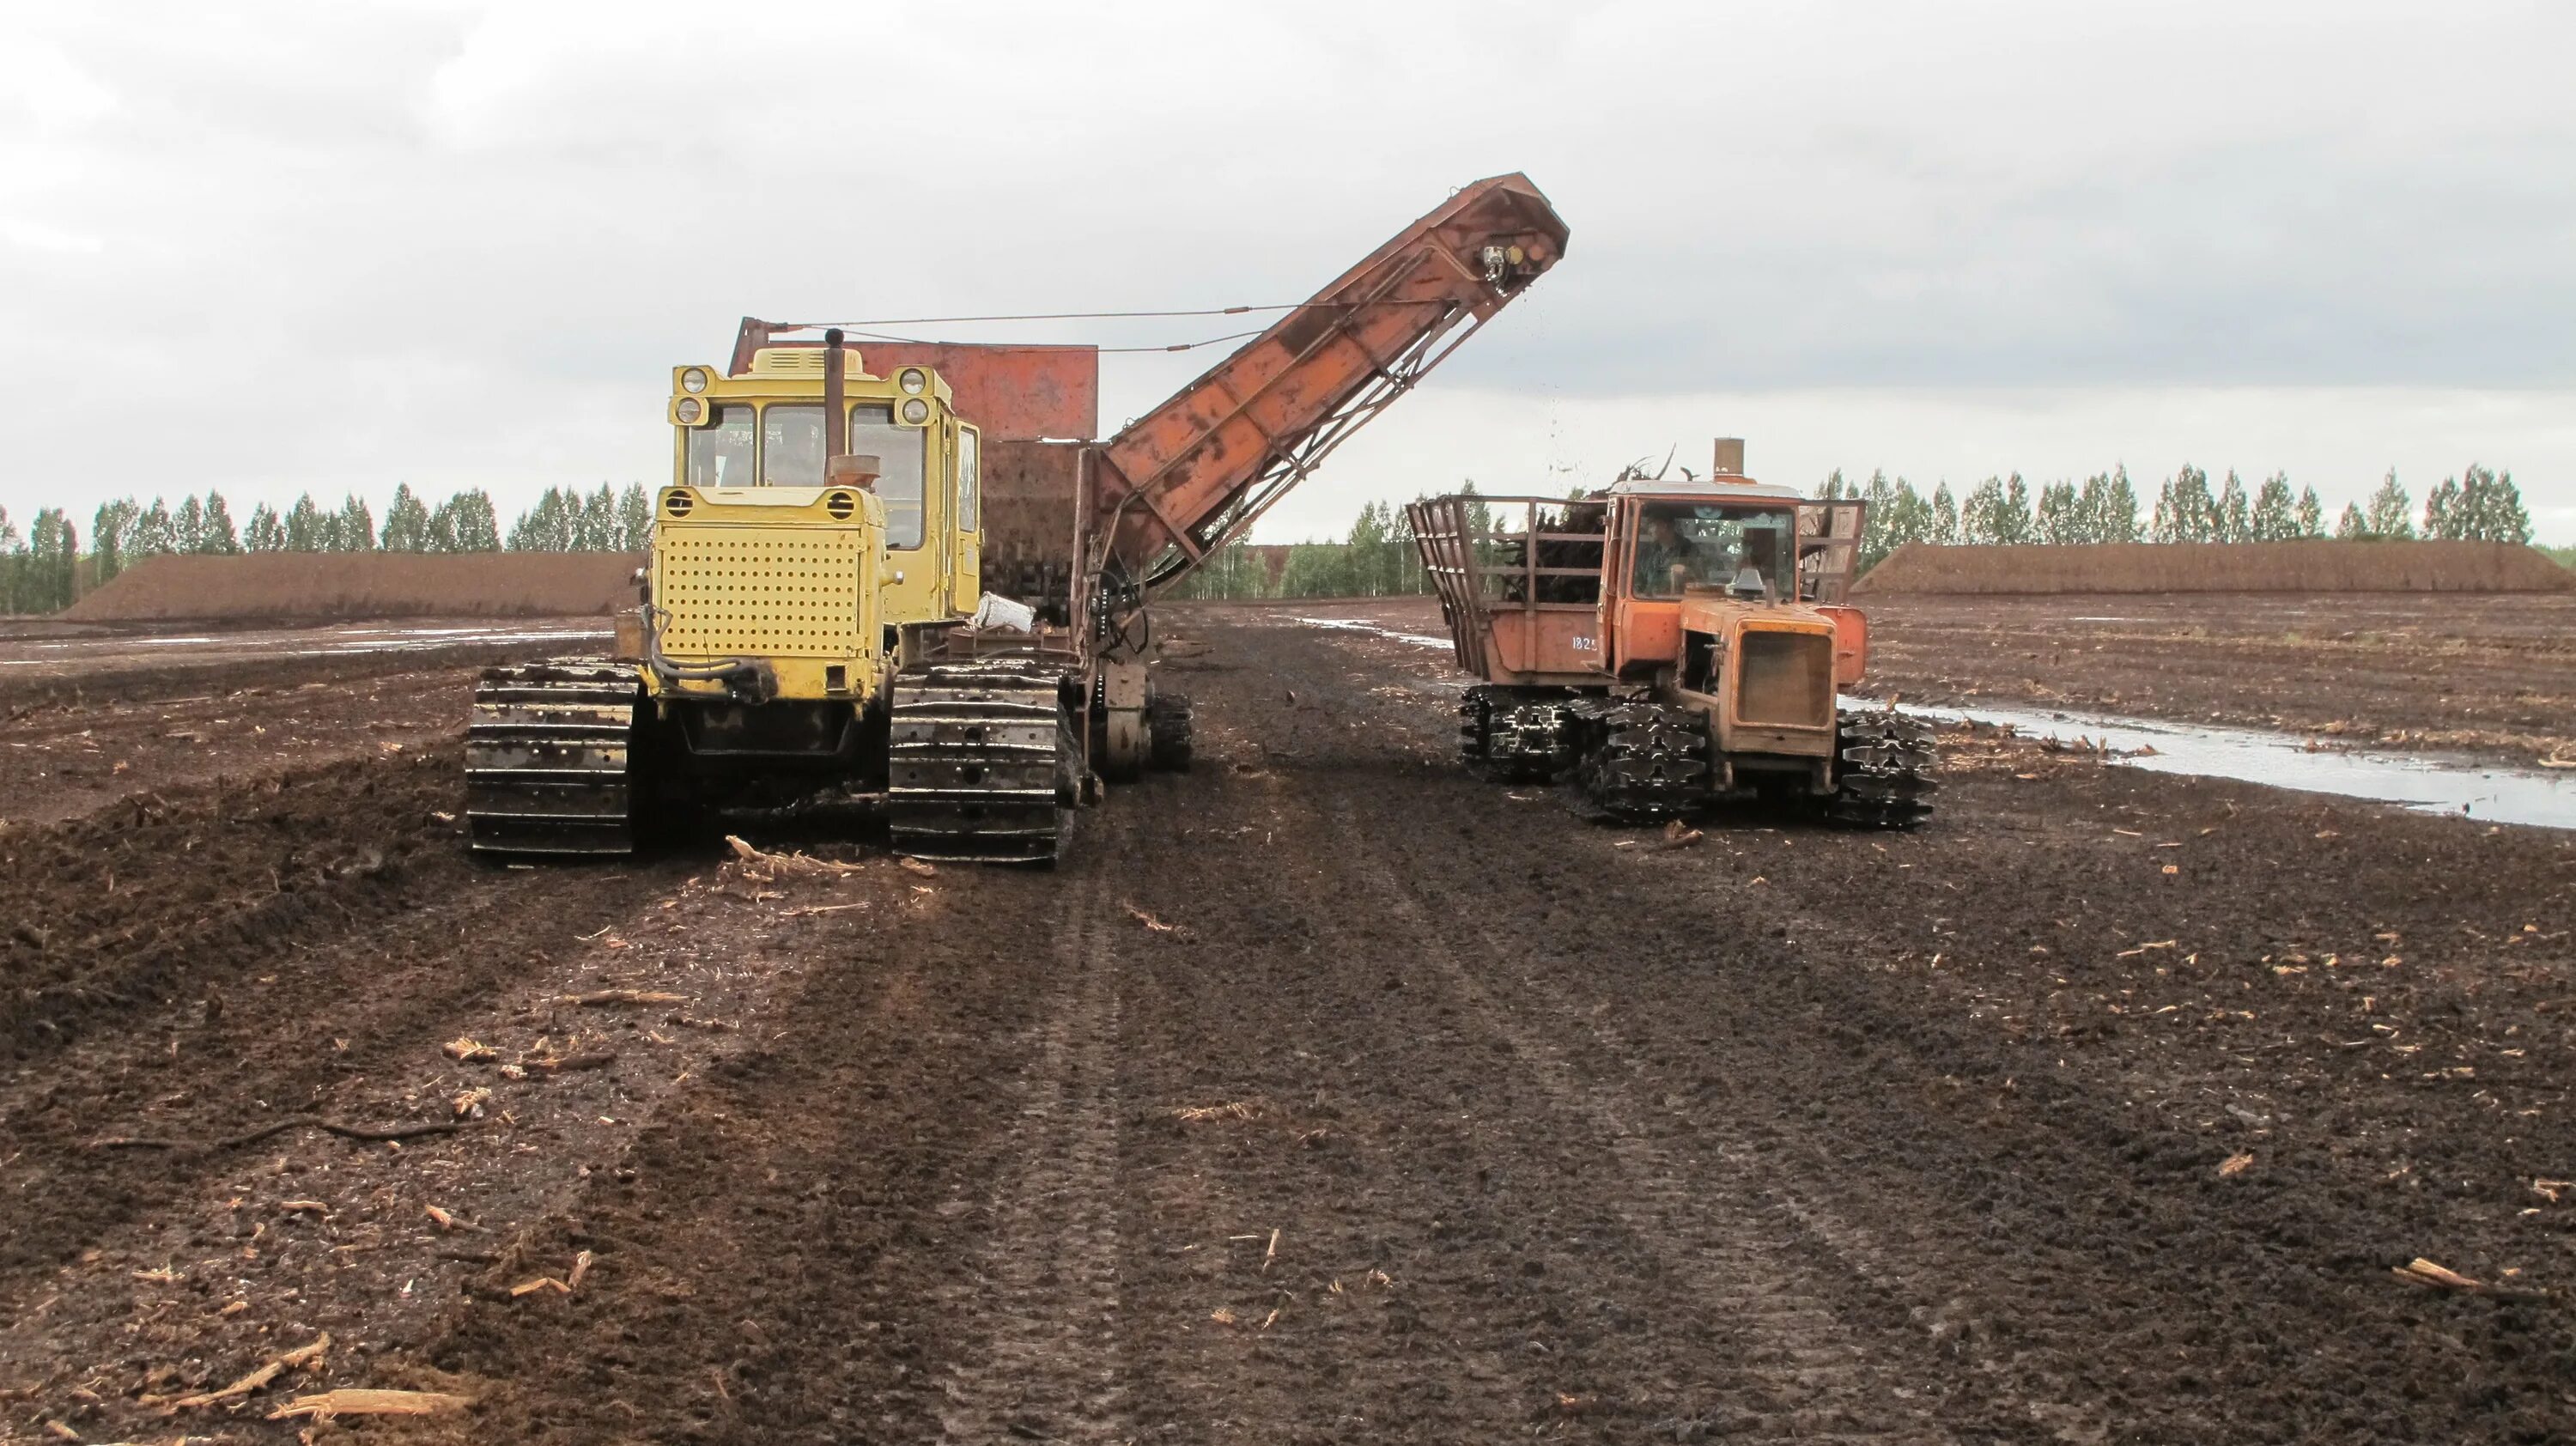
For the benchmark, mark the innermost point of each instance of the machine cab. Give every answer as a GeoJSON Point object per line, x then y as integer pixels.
{"type": "Point", "coordinates": [765, 427]}
{"type": "Point", "coordinates": [1672, 542]}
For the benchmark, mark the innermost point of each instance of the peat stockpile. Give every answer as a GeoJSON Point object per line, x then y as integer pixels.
{"type": "Point", "coordinates": [364, 585]}
{"type": "Point", "coordinates": [2220, 567]}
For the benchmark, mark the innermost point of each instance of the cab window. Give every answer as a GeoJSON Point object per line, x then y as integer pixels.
{"type": "Point", "coordinates": [970, 477]}
{"type": "Point", "coordinates": [720, 451]}
{"type": "Point", "coordinates": [899, 452]}
{"type": "Point", "coordinates": [1683, 545]}
{"type": "Point", "coordinates": [791, 446]}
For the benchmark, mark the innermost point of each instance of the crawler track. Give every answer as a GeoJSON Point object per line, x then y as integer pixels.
{"type": "Point", "coordinates": [982, 762]}
{"type": "Point", "coordinates": [548, 758]}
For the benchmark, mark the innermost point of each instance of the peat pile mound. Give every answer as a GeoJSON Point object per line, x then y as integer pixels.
{"type": "Point", "coordinates": [2317, 566]}
{"type": "Point", "coordinates": [335, 585]}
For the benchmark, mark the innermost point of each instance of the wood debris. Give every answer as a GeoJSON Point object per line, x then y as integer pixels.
{"type": "Point", "coordinates": [302, 1356]}
{"type": "Point", "coordinates": [623, 996]}
{"type": "Point", "coordinates": [542, 1282]}
{"type": "Point", "coordinates": [467, 1051]}
{"type": "Point", "coordinates": [1679, 835]}
{"type": "Point", "coordinates": [307, 1207]}
{"type": "Point", "coordinates": [2420, 1271]}
{"type": "Point", "coordinates": [917, 866]}
{"type": "Point", "coordinates": [2552, 1190]}
{"type": "Point", "coordinates": [468, 1104]}
{"type": "Point", "coordinates": [580, 1268]}
{"type": "Point", "coordinates": [1154, 923]}
{"type": "Point", "coordinates": [761, 866]}
{"type": "Point", "coordinates": [2236, 1164]}
{"type": "Point", "coordinates": [1201, 1114]}
{"type": "Point", "coordinates": [354, 1402]}
{"type": "Point", "coordinates": [567, 1063]}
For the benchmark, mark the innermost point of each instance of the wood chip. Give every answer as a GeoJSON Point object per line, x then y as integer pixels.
{"type": "Point", "coordinates": [624, 996]}
{"type": "Point", "coordinates": [2236, 1164]}
{"type": "Point", "coordinates": [542, 1282]}
{"type": "Point", "coordinates": [307, 1207]}
{"type": "Point", "coordinates": [467, 1051]}
{"type": "Point", "coordinates": [565, 1064]}
{"type": "Point", "coordinates": [303, 1355]}
{"type": "Point", "coordinates": [580, 1268]}
{"type": "Point", "coordinates": [353, 1402]}
{"type": "Point", "coordinates": [450, 1220]}
{"type": "Point", "coordinates": [2420, 1271]}
{"type": "Point", "coordinates": [1201, 1114]}
{"type": "Point", "coordinates": [918, 866]}
{"type": "Point", "coordinates": [1151, 922]}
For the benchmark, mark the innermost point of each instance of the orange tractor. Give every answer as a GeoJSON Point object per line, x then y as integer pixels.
{"type": "Point", "coordinates": [1671, 644]}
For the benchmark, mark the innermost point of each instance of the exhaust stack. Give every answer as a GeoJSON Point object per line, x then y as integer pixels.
{"type": "Point", "coordinates": [836, 405]}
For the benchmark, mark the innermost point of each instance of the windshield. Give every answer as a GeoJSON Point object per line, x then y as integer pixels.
{"type": "Point", "coordinates": [1684, 544]}
{"type": "Point", "coordinates": [720, 451]}
{"type": "Point", "coordinates": [791, 446]}
{"type": "Point", "coordinates": [898, 451]}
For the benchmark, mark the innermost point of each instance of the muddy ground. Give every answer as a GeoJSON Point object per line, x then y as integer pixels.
{"type": "Point", "coordinates": [2487, 674]}
{"type": "Point", "coordinates": [1326, 1094]}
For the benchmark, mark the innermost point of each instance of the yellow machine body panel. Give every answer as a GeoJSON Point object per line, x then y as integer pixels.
{"type": "Point", "coordinates": [791, 576]}
{"type": "Point", "coordinates": [764, 430]}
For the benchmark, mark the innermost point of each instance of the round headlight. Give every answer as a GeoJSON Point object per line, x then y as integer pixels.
{"type": "Point", "coordinates": [916, 411]}
{"type": "Point", "coordinates": [694, 379]}
{"type": "Point", "coordinates": [689, 409]}
{"type": "Point", "coordinates": [912, 381]}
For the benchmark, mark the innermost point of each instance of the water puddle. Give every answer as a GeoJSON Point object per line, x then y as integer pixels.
{"type": "Point", "coordinates": [1355, 625]}
{"type": "Point", "coordinates": [2427, 783]}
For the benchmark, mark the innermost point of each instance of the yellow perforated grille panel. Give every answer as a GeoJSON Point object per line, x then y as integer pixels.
{"type": "Point", "coordinates": [759, 592]}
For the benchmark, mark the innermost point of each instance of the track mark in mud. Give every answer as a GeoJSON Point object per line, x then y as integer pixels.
{"type": "Point", "coordinates": [1735, 1243]}
{"type": "Point", "coordinates": [1045, 1289]}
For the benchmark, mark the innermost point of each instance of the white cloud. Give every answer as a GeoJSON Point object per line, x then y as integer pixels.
{"type": "Point", "coordinates": [339, 246]}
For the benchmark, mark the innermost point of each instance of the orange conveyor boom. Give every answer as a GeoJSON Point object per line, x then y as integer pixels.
{"type": "Point", "coordinates": [1193, 473]}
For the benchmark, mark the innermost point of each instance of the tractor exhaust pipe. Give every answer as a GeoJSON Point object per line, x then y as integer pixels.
{"type": "Point", "coordinates": [836, 408]}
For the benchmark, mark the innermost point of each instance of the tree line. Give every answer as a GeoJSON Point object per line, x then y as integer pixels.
{"type": "Point", "coordinates": [2480, 505]}
{"type": "Point", "coordinates": [40, 571]}
{"type": "Point", "coordinates": [1377, 558]}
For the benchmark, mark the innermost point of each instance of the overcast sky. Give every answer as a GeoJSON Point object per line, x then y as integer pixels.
{"type": "Point", "coordinates": [272, 247]}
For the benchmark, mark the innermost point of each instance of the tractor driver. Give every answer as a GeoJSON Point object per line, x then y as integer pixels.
{"type": "Point", "coordinates": [1668, 560]}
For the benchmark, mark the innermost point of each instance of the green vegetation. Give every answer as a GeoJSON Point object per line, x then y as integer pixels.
{"type": "Point", "coordinates": [2481, 505]}
{"type": "Point", "coordinates": [43, 570]}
